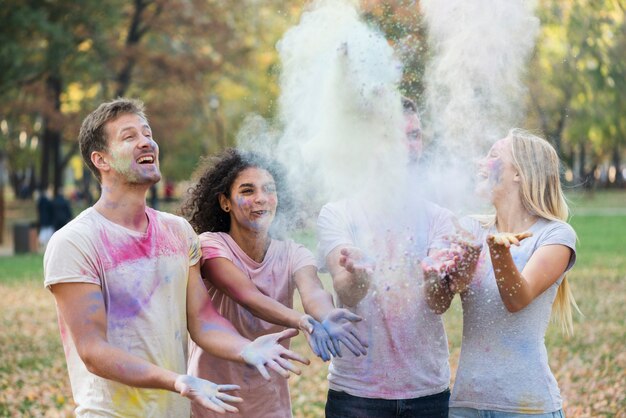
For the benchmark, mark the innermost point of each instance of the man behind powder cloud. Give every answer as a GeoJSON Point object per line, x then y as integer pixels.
{"type": "Point", "coordinates": [374, 253]}
{"type": "Point", "coordinates": [128, 290]}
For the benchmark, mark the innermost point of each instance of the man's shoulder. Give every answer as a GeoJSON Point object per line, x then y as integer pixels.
{"type": "Point", "coordinates": [83, 225]}
{"type": "Point", "coordinates": [168, 218]}
{"type": "Point", "coordinates": [341, 207]}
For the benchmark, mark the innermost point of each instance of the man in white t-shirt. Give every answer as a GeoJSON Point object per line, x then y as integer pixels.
{"type": "Point", "coordinates": [375, 258]}
{"type": "Point", "coordinates": [128, 289]}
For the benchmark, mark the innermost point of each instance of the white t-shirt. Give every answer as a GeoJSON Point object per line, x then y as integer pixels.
{"type": "Point", "coordinates": [408, 350]}
{"type": "Point", "coordinates": [504, 362]}
{"type": "Point", "coordinates": [143, 280]}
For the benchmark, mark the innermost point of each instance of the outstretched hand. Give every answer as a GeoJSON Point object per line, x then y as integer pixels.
{"type": "Point", "coordinates": [506, 239]}
{"type": "Point", "coordinates": [206, 393]}
{"type": "Point", "coordinates": [316, 336]}
{"type": "Point", "coordinates": [457, 263]}
{"type": "Point", "coordinates": [339, 324]}
{"type": "Point", "coordinates": [356, 262]}
{"type": "Point", "coordinates": [265, 351]}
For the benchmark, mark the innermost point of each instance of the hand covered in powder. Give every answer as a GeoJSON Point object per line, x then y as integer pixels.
{"type": "Point", "coordinates": [457, 263]}
{"type": "Point", "coordinates": [356, 262]}
{"type": "Point", "coordinates": [266, 351]}
{"type": "Point", "coordinates": [316, 336]}
{"type": "Point", "coordinates": [506, 239]}
{"type": "Point", "coordinates": [339, 324]}
{"type": "Point", "coordinates": [207, 394]}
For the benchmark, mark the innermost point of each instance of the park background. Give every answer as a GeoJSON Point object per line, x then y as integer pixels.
{"type": "Point", "coordinates": [202, 66]}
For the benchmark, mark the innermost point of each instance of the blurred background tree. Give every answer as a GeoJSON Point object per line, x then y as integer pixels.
{"type": "Point", "coordinates": [202, 65]}
{"type": "Point", "coordinates": [577, 87]}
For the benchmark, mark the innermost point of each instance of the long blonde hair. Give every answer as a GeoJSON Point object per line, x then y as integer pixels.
{"type": "Point", "coordinates": [538, 166]}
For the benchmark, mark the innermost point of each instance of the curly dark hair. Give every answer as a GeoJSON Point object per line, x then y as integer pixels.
{"type": "Point", "coordinates": [202, 208]}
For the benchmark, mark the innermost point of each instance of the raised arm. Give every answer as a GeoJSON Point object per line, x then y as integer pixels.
{"type": "Point", "coordinates": [217, 336]}
{"type": "Point", "coordinates": [350, 269]}
{"type": "Point", "coordinates": [81, 308]}
{"type": "Point", "coordinates": [545, 266]}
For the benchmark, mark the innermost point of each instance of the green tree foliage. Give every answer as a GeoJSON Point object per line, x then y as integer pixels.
{"type": "Point", "coordinates": [199, 66]}
{"type": "Point", "coordinates": [578, 82]}
{"type": "Point", "coordinates": [202, 65]}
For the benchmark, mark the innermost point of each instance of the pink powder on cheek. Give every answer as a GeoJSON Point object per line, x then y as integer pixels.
{"type": "Point", "coordinates": [242, 202]}
{"type": "Point", "coordinates": [494, 166]}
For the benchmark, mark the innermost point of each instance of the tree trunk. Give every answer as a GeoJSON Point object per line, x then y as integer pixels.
{"type": "Point", "coordinates": [617, 163]}
{"type": "Point", "coordinates": [2, 211]}
{"type": "Point", "coordinates": [134, 35]}
{"type": "Point", "coordinates": [51, 152]}
{"type": "Point", "coordinates": [585, 176]}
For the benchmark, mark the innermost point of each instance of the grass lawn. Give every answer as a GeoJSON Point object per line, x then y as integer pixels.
{"type": "Point", "coordinates": [590, 366]}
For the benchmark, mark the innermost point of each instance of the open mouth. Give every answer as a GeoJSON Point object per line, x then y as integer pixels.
{"type": "Point", "coordinates": [146, 159]}
{"type": "Point", "coordinates": [260, 212]}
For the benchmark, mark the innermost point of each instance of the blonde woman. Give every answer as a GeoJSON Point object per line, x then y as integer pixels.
{"type": "Point", "coordinates": [503, 370]}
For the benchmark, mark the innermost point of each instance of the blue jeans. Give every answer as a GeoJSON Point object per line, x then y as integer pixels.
{"type": "Point", "coordinates": [479, 413]}
{"type": "Point", "coordinates": [343, 405]}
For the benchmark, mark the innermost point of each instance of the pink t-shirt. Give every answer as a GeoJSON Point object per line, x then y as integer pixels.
{"type": "Point", "coordinates": [274, 278]}
{"type": "Point", "coordinates": [143, 280]}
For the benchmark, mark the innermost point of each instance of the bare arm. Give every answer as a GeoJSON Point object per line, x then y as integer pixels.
{"type": "Point", "coordinates": [518, 289]}
{"type": "Point", "coordinates": [233, 282]}
{"type": "Point", "coordinates": [338, 324]}
{"type": "Point", "coordinates": [316, 301]}
{"type": "Point", "coordinates": [450, 270]}
{"type": "Point", "coordinates": [351, 272]}
{"type": "Point", "coordinates": [436, 283]}
{"type": "Point", "coordinates": [81, 307]}
{"type": "Point", "coordinates": [217, 336]}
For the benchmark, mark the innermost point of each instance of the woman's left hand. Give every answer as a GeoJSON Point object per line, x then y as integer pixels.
{"type": "Point", "coordinates": [506, 239]}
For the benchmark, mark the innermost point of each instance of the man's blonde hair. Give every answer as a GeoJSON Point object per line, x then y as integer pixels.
{"type": "Point", "coordinates": [92, 136]}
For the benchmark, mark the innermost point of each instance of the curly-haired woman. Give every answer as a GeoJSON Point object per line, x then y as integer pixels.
{"type": "Point", "coordinates": [251, 276]}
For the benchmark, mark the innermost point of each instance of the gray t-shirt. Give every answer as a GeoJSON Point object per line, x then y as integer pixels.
{"type": "Point", "coordinates": [504, 362]}
{"type": "Point", "coordinates": [408, 350]}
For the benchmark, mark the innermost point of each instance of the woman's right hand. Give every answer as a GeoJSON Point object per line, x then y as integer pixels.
{"type": "Point", "coordinates": [206, 393]}
{"type": "Point", "coordinates": [506, 239]}
{"type": "Point", "coordinates": [267, 352]}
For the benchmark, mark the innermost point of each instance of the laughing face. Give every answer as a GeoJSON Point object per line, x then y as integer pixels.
{"type": "Point", "coordinates": [133, 154]}
{"type": "Point", "coordinates": [496, 171]}
{"type": "Point", "coordinates": [253, 200]}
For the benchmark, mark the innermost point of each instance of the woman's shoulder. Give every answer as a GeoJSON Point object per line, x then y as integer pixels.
{"type": "Point", "coordinates": [553, 226]}
{"type": "Point", "coordinates": [207, 238]}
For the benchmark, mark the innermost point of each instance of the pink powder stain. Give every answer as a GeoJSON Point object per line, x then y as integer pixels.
{"type": "Point", "coordinates": [151, 245]}
{"type": "Point", "coordinates": [65, 337]}
{"type": "Point", "coordinates": [142, 251]}
{"type": "Point", "coordinates": [126, 304]}
{"type": "Point", "coordinates": [495, 171]}
{"type": "Point", "coordinates": [242, 202]}
{"type": "Point", "coordinates": [209, 253]}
